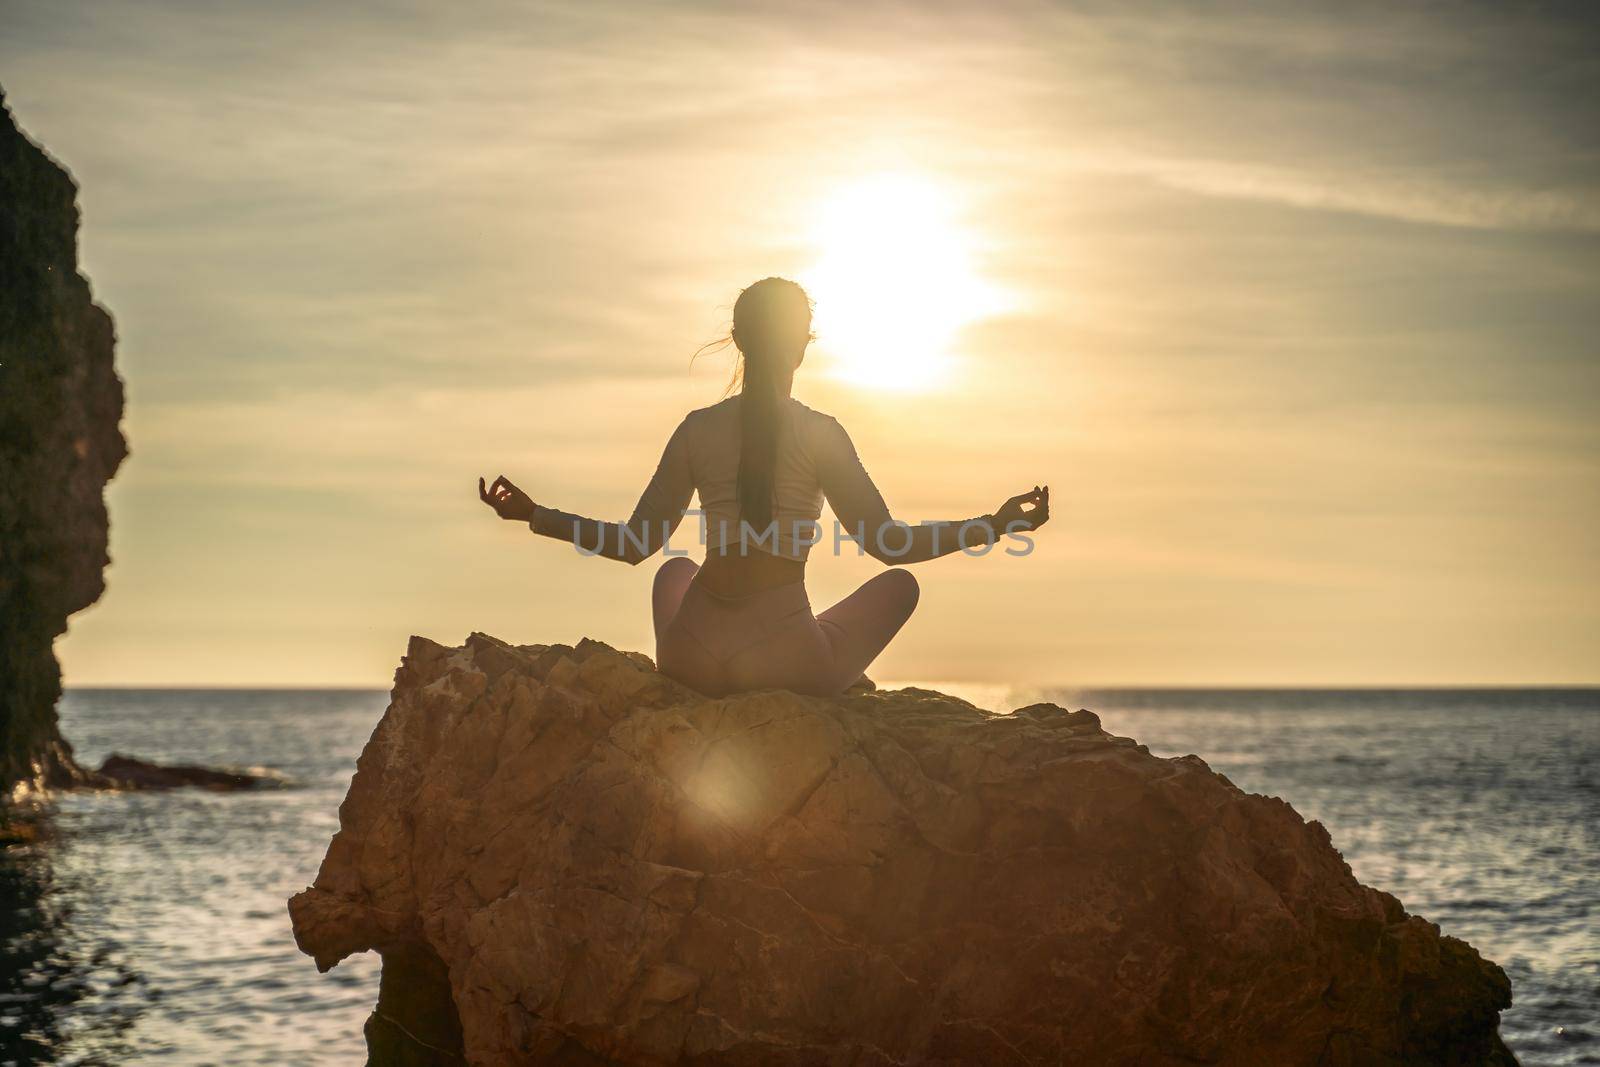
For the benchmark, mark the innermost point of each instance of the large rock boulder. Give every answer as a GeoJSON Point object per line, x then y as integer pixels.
{"type": "Point", "coordinates": [566, 858]}
{"type": "Point", "coordinates": [60, 403]}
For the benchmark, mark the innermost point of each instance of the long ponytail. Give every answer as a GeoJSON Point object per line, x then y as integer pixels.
{"type": "Point", "coordinates": [772, 320]}
{"type": "Point", "coordinates": [758, 440]}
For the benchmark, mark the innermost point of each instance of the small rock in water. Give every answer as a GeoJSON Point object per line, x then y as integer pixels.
{"type": "Point", "coordinates": [126, 772]}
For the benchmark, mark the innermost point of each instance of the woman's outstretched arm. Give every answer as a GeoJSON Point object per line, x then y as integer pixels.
{"type": "Point", "coordinates": [658, 513]}
{"type": "Point", "coordinates": [863, 513]}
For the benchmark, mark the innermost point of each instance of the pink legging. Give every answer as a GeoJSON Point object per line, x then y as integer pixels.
{"type": "Point", "coordinates": [770, 639]}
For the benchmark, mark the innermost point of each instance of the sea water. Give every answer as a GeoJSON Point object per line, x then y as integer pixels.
{"type": "Point", "coordinates": [151, 927]}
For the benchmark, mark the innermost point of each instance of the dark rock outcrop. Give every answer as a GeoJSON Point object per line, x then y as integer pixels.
{"type": "Point", "coordinates": [566, 858]}
{"type": "Point", "coordinates": [60, 404]}
{"type": "Point", "coordinates": [127, 772]}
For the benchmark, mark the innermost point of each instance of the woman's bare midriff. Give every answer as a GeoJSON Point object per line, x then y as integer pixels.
{"type": "Point", "coordinates": [731, 574]}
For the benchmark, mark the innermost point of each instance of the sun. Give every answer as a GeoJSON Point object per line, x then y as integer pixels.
{"type": "Point", "coordinates": [894, 282]}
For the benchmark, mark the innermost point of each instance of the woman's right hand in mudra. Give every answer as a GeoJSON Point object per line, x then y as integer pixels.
{"type": "Point", "coordinates": [1011, 515]}
{"type": "Point", "coordinates": [508, 501]}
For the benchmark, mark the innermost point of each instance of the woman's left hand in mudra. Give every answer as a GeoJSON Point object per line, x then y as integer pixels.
{"type": "Point", "coordinates": [508, 501]}
{"type": "Point", "coordinates": [1011, 516]}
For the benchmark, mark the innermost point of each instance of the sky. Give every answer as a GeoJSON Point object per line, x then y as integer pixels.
{"type": "Point", "coordinates": [1296, 309]}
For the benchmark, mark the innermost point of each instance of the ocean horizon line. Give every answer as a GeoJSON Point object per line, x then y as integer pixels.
{"type": "Point", "coordinates": [923, 683]}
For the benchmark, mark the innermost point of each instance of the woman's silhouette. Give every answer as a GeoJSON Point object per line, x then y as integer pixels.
{"type": "Point", "coordinates": [762, 463]}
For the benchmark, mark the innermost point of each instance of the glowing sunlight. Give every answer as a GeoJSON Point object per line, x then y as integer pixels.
{"type": "Point", "coordinates": [894, 282]}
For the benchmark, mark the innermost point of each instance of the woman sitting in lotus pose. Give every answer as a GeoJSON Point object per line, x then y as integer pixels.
{"type": "Point", "coordinates": [762, 463]}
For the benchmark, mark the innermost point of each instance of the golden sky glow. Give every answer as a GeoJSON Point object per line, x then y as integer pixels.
{"type": "Point", "coordinates": [1296, 312]}
{"type": "Point", "coordinates": [895, 281]}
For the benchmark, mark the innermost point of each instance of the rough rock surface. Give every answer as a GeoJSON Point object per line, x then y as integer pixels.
{"type": "Point", "coordinates": [567, 858]}
{"type": "Point", "coordinates": [60, 403]}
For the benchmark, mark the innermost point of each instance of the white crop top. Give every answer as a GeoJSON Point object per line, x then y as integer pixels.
{"type": "Point", "coordinates": [815, 460]}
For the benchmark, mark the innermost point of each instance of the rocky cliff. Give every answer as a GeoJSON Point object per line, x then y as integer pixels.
{"type": "Point", "coordinates": [566, 858]}
{"type": "Point", "coordinates": [60, 403]}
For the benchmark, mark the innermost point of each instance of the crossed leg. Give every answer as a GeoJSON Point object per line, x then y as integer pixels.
{"type": "Point", "coordinates": [666, 595]}
{"type": "Point", "coordinates": [862, 624]}
{"type": "Point", "coordinates": [857, 628]}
